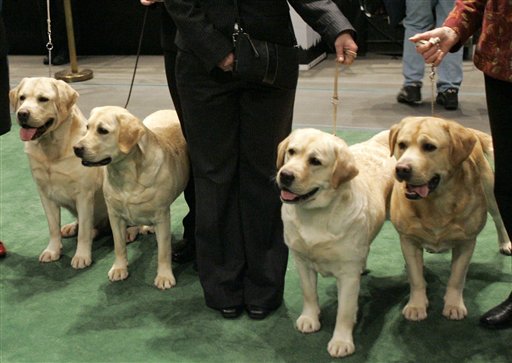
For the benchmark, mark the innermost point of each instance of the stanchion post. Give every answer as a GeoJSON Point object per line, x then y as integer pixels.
{"type": "Point", "coordinates": [75, 75]}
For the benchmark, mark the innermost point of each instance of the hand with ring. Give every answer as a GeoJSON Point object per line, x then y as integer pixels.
{"type": "Point", "coordinates": [433, 45]}
{"type": "Point", "coordinates": [346, 48]}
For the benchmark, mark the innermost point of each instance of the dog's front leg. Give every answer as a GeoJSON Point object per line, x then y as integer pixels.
{"type": "Point", "coordinates": [164, 277]}
{"type": "Point", "coordinates": [309, 319]}
{"type": "Point", "coordinates": [454, 308]}
{"type": "Point", "coordinates": [119, 270]}
{"type": "Point", "coordinates": [52, 211]}
{"type": "Point", "coordinates": [85, 211]}
{"type": "Point", "coordinates": [416, 308]}
{"type": "Point", "coordinates": [342, 342]}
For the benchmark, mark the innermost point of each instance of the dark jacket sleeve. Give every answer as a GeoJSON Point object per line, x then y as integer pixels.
{"type": "Point", "coordinates": [198, 32]}
{"type": "Point", "coordinates": [324, 17]}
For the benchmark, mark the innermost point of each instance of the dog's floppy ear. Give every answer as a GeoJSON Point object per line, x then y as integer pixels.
{"type": "Point", "coordinates": [281, 152]}
{"type": "Point", "coordinates": [462, 142]}
{"type": "Point", "coordinates": [393, 134]}
{"type": "Point", "coordinates": [13, 94]}
{"type": "Point", "coordinates": [344, 168]}
{"type": "Point", "coordinates": [66, 97]}
{"type": "Point", "coordinates": [130, 131]}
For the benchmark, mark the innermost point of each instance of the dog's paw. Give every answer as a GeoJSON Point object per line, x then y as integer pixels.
{"type": "Point", "coordinates": [415, 313]}
{"type": "Point", "coordinates": [80, 262]}
{"type": "Point", "coordinates": [455, 312]}
{"type": "Point", "coordinates": [338, 348]}
{"type": "Point", "coordinates": [117, 273]}
{"type": "Point", "coordinates": [506, 248]}
{"type": "Point", "coordinates": [69, 230]}
{"type": "Point", "coordinates": [146, 229]}
{"type": "Point", "coordinates": [165, 281]}
{"type": "Point", "coordinates": [307, 324]}
{"type": "Point", "coordinates": [49, 256]}
{"type": "Point", "coordinates": [131, 234]}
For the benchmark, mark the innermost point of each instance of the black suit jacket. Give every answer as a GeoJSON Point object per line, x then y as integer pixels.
{"type": "Point", "coordinates": [205, 26]}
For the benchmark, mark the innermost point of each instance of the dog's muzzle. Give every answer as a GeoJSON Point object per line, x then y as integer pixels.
{"type": "Point", "coordinates": [403, 173]}
{"type": "Point", "coordinates": [27, 132]}
{"type": "Point", "coordinates": [286, 180]}
{"type": "Point", "coordinates": [415, 192]}
{"type": "Point", "coordinates": [80, 151]}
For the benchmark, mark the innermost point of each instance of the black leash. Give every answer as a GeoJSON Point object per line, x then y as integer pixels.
{"type": "Point", "coordinates": [138, 55]}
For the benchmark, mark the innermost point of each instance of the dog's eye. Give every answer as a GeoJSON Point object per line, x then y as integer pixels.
{"type": "Point", "coordinates": [22, 98]}
{"type": "Point", "coordinates": [42, 99]}
{"type": "Point", "coordinates": [429, 147]}
{"type": "Point", "coordinates": [314, 161]}
{"type": "Point", "coordinates": [402, 146]}
{"type": "Point", "coordinates": [102, 131]}
{"type": "Point", "coordinates": [291, 152]}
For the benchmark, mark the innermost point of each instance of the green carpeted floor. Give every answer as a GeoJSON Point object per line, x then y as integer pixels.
{"type": "Point", "coordinates": [52, 313]}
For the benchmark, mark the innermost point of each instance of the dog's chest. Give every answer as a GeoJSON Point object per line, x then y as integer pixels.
{"type": "Point", "coordinates": [61, 181]}
{"type": "Point", "coordinates": [326, 253]}
{"type": "Point", "coordinates": [443, 235]}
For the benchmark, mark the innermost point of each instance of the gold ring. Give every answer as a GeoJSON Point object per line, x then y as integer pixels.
{"type": "Point", "coordinates": [350, 53]}
{"type": "Point", "coordinates": [435, 41]}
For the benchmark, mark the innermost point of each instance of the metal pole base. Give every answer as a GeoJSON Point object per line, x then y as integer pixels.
{"type": "Point", "coordinates": [69, 76]}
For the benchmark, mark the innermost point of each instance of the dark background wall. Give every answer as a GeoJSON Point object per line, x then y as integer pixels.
{"type": "Point", "coordinates": [114, 26]}
{"type": "Point", "coordinates": [101, 26]}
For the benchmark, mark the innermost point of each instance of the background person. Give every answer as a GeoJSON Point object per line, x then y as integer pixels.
{"type": "Point", "coordinates": [421, 16]}
{"type": "Point", "coordinates": [493, 56]}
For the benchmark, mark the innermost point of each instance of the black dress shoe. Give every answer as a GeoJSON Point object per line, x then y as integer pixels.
{"type": "Point", "coordinates": [257, 312]}
{"type": "Point", "coordinates": [60, 59]}
{"type": "Point", "coordinates": [231, 312]}
{"type": "Point", "coordinates": [499, 317]}
{"type": "Point", "coordinates": [185, 253]}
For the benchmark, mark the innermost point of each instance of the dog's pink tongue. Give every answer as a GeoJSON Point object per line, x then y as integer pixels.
{"type": "Point", "coordinates": [288, 196]}
{"type": "Point", "coordinates": [421, 190]}
{"type": "Point", "coordinates": [27, 134]}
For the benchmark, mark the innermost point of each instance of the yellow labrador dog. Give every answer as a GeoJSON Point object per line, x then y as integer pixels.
{"type": "Point", "coordinates": [440, 199]}
{"type": "Point", "coordinates": [334, 204]}
{"type": "Point", "coordinates": [147, 169]}
{"type": "Point", "coordinates": [51, 124]}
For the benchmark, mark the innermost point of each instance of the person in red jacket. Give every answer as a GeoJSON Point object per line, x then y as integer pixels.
{"type": "Point", "coordinates": [493, 56]}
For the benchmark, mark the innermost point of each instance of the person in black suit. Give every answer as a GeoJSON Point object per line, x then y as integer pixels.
{"type": "Point", "coordinates": [187, 250]}
{"type": "Point", "coordinates": [5, 115]}
{"type": "Point", "coordinates": [233, 128]}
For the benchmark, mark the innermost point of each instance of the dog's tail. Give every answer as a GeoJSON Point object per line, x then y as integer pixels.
{"type": "Point", "coordinates": [486, 142]}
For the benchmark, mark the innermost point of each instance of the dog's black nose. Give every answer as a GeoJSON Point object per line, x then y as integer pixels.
{"type": "Point", "coordinates": [403, 172]}
{"type": "Point", "coordinates": [23, 116]}
{"type": "Point", "coordinates": [79, 151]}
{"type": "Point", "coordinates": [286, 178]}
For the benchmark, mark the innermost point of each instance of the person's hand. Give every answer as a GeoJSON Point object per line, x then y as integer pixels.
{"type": "Point", "coordinates": [227, 63]}
{"type": "Point", "coordinates": [434, 44]}
{"type": "Point", "coordinates": [147, 2]}
{"type": "Point", "coordinates": [346, 48]}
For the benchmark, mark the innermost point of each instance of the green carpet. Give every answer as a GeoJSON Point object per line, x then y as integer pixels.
{"type": "Point", "coordinates": [53, 313]}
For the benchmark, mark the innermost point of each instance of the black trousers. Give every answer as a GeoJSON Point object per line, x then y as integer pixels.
{"type": "Point", "coordinates": [233, 130]}
{"type": "Point", "coordinates": [5, 116]}
{"type": "Point", "coordinates": [499, 106]}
